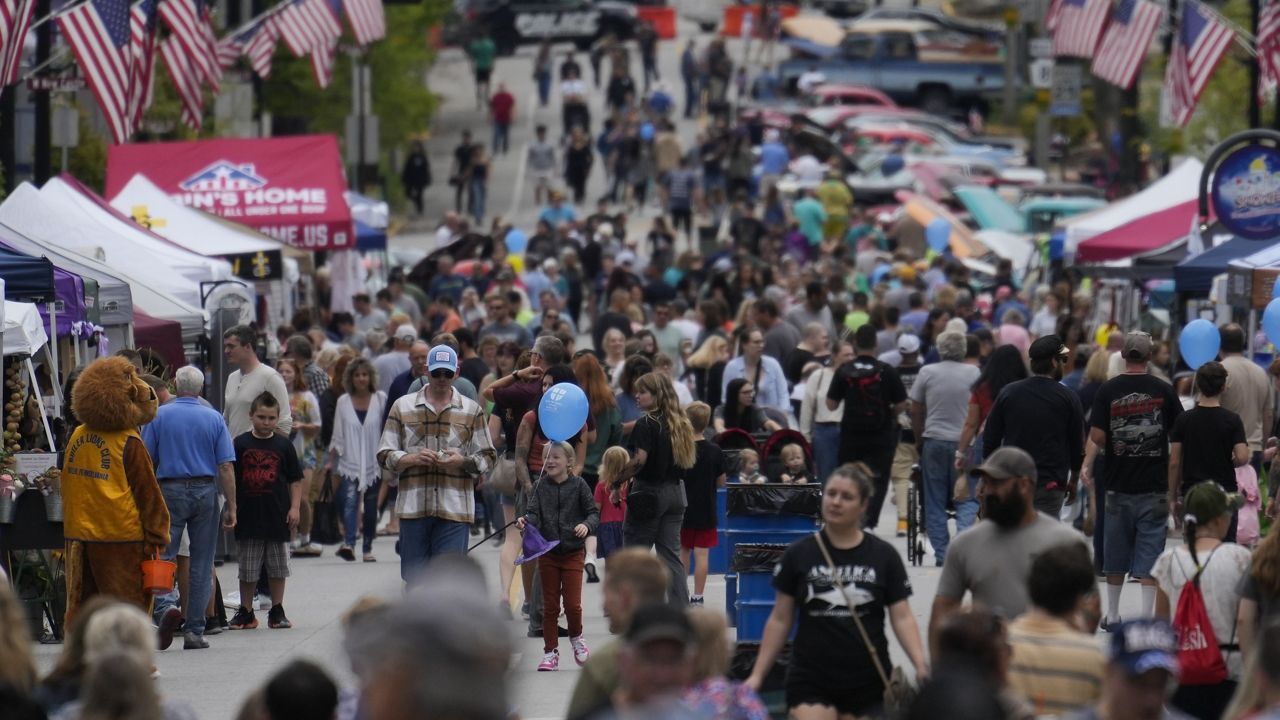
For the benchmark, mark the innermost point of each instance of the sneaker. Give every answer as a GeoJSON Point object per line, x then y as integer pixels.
{"type": "Point", "coordinates": [170, 622]}
{"type": "Point", "coordinates": [244, 619]}
{"type": "Point", "coordinates": [580, 651]}
{"type": "Point", "coordinates": [695, 600]}
{"type": "Point", "coordinates": [346, 553]}
{"type": "Point", "coordinates": [213, 625]}
{"type": "Point", "coordinates": [902, 528]}
{"type": "Point", "coordinates": [590, 568]}
{"type": "Point", "coordinates": [550, 662]}
{"type": "Point", "coordinates": [276, 619]}
{"type": "Point", "coordinates": [1106, 624]}
{"type": "Point", "coordinates": [308, 550]}
{"type": "Point", "coordinates": [192, 641]}
{"type": "Point", "coordinates": [264, 602]}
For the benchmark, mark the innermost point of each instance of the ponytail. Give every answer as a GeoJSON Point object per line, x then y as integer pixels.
{"type": "Point", "coordinates": [1189, 526]}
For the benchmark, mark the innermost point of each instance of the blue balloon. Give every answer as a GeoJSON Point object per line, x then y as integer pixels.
{"type": "Point", "coordinates": [938, 235]}
{"type": "Point", "coordinates": [879, 273]}
{"type": "Point", "coordinates": [1271, 321]}
{"type": "Point", "coordinates": [562, 411]}
{"type": "Point", "coordinates": [892, 165]}
{"type": "Point", "coordinates": [646, 131]}
{"type": "Point", "coordinates": [1275, 290]}
{"type": "Point", "coordinates": [516, 241]}
{"type": "Point", "coordinates": [1199, 342]}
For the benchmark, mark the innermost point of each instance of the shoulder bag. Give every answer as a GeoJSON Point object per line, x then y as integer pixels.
{"type": "Point", "coordinates": [899, 693]}
{"type": "Point", "coordinates": [324, 514]}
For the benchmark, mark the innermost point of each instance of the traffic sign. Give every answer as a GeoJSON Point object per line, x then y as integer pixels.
{"type": "Point", "coordinates": [1040, 47]}
{"type": "Point", "coordinates": [1064, 98]}
{"type": "Point", "coordinates": [1041, 73]}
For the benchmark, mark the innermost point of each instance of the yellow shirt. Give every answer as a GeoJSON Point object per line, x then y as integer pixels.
{"type": "Point", "coordinates": [98, 502]}
{"type": "Point", "coordinates": [1054, 666]}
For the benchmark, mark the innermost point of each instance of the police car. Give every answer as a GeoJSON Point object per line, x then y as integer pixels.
{"type": "Point", "coordinates": [512, 23]}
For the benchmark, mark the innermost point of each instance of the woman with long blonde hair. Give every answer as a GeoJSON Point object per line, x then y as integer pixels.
{"type": "Point", "coordinates": [664, 448]}
{"type": "Point", "coordinates": [706, 365]}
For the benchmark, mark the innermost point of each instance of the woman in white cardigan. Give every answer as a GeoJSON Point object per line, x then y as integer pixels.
{"type": "Point", "coordinates": [357, 431]}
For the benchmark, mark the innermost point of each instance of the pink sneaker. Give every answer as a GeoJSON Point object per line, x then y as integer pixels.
{"type": "Point", "coordinates": [550, 661]}
{"type": "Point", "coordinates": [580, 651]}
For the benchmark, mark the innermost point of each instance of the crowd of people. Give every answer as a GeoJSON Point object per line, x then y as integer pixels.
{"type": "Point", "coordinates": [1049, 449]}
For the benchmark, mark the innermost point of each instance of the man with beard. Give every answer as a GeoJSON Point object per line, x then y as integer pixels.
{"type": "Point", "coordinates": [992, 559]}
{"type": "Point", "coordinates": [1040, 415]}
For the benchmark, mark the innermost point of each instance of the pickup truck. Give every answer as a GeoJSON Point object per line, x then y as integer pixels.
{"type": "Point", "coordinates": [913, 62]}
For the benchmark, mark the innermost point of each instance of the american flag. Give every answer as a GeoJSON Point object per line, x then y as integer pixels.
{"type": "Point", "coordinates": [230, 48]}
{"type": "Point", "coordinates": [142, 28]}
{"type": "Point", "coordinates": [15, 18]}
{"type": "Point", "coordinates": [98, 33]}
{"type": "Point", "coordinates": [1051, 16]}
{"type": "Point", "coordinates": [322, 62]}
{"type": "Point", "coordinates": [368, 22]}
{"type": "Point", "coordinates": [1199, 44]}
{"type": "Point", "coordinates": [306, 25]}
{"type": "Point", "coordinates": [262, 46]}
{"type": "Point", "coordinates": [188, 21]}
{"type": "Point", "coordinates": [1126, 42]}
{"type": "Point", "coordinates": [186, 80]}
{"type": "Point", "coordinates": [1268, 48]}
{"type": "Point", "coordinates": [1078, 27]}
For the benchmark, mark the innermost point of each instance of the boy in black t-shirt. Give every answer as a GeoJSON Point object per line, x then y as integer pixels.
{"type": "Point", "coordinates": [268, 498]}
{"type": "Point", "coordinates": [1207, 442]}
{"type": "Point", "coordinates": [698, 530]}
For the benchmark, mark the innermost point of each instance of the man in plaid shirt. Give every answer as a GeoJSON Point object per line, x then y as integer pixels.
{"type": "Point", "coordinates": [438, 442]}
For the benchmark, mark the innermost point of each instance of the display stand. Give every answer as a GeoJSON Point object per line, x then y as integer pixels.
{"type": "Point", "coordinates": [25, 554]}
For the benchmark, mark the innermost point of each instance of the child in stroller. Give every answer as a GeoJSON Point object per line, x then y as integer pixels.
{"type": "Point", "coordinates": [797, 471]}
{"type": "Point", "coordinates": [787, 458]}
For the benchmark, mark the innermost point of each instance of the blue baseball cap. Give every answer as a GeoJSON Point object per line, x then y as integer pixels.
{"type": "Point", "coordinates": [1142, 645]}
{"type": "Point", "coordinates": [442, 357]}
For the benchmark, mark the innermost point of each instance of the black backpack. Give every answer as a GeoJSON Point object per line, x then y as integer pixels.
{"type": "Point", "coordinates": [865, 407]}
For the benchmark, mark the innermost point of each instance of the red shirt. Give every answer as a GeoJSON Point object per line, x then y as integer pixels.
{"type": "Point", "coordinates": [501, 107]}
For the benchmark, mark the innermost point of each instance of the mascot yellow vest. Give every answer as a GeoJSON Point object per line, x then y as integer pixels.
{"type": "Point", "coordinates": [99, 504]}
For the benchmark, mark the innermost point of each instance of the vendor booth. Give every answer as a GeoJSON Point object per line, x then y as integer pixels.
{"type": "Point", "coordinates": [29, 213]}
{"type": "Point", "coordinates": [1195, 275]}
{"type": "Point", "coordinates": [270, 266]}
{"type": "Point", "coordinates": [290, 188]}
{"type": "Point", "coordinates": [1179, 188]}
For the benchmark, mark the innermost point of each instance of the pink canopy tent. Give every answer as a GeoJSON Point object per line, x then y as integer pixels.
{"type": "Point", "coordinates": [1141, 235]}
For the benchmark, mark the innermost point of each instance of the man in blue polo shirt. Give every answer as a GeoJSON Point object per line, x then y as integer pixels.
{"type": "Point", "coordinates": [192, 451]}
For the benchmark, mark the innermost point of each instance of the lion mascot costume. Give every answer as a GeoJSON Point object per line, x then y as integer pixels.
{"type": "Point", "coordinates": [114, 513]}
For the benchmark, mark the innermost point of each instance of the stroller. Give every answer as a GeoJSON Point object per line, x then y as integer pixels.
{"type": "Point", "coordinates": [733, 441]}
{"type": "Point", "coordinates": [771, 458]}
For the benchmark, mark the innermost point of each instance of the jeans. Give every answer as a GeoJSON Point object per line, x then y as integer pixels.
{"type": "Point", "coordinates": [424, 538]}
{"type": "Point", "coordinates": [193, 504]}
{"type": "Point", "coordinates": [501, 133]}
{"type": "Point", "coordinates": [654, 516]}
{"type": "Point", "coordinates": [650, 71]}
{"type": "Point", "coordinates": [1135, 532]}
{"type": "Point", "coordinates": [544, 87]}
{"type": "Point", "coordinates": [690, 97]}
{"type": "Point", "coordinates": [561, 577]}
{"type": "Point", "coordinates": [479, 189]}
{"type": "Point", "coordinates": [353, 513]}
{"type": "Point", "coordinates": [937, 469]}
{"type": "Point", "coordinates": [826, 449]}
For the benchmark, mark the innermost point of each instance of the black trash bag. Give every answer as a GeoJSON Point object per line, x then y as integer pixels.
{"type": "Point", "coordinates": [774, 499]}
{"type": "Point", "coordinates": [744, 658]}
{"type": "Point", "coordinates": [757, 557]}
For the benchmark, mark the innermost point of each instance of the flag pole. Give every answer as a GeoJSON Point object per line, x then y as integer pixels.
{"type": "Point", "coordinates": [1255, 108]}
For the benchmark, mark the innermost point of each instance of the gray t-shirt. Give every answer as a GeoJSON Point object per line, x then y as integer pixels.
{"type": "Point", "coordinates": [780, 340]}
{"type": "Point", "coordinates": [542, 157]}
{"type": "Point", "coordinates": [944, 388]}
{"type": "Point", "coordinates": [992, 563]}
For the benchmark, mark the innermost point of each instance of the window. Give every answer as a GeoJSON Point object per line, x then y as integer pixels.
{"type": "Point", "coordinates": [858, 48]}
{"type": "Point", "coordinates": [899, 46]}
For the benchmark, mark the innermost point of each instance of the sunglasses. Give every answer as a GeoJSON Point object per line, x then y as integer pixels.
{"type": "Point", "coordinates": [446, 374]}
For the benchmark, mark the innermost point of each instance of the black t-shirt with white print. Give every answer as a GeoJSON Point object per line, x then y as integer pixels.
{"type": "Point", "coordinates": [828, 650]}
{"type": "Point", "coordinates": [1136, 412]}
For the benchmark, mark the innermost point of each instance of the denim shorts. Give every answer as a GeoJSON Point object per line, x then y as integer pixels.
{"type": "Point", "coordinates": [1135, 532]}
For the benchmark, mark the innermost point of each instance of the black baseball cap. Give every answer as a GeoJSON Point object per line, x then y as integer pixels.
{"type": "Point", "coordinates": [659, 621]}
{"type": "Point", "coordinates": [1048, 347]}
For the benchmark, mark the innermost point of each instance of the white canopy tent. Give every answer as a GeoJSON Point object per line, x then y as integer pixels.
{"type": "Point", "coordinates": [28, 212]}
{"type": "Point", "coordinates": [22, 334]}
{"type": "Point", "coordinates": [212, 237]}
{"type": "Point", "coordinates": [1181, 185]}
{"type": "Point", "coordinates": [122, 244]}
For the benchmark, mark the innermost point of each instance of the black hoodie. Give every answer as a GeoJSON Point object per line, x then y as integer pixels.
{"type": "Point", "coordinates": [557, 508]}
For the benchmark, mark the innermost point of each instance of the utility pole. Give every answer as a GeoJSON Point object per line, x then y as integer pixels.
{"type": "Point", "coordinates": [1012, 49]}
{"type": "Point", "coordinates": [42, 169]}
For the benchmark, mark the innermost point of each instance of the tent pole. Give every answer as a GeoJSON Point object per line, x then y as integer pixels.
{"type": "Point", "coordinates": [52, 347]}
{"type": "Point", "coordinates": [44, 414]}
{"type": "Point", "coordinates": [1253, 330]}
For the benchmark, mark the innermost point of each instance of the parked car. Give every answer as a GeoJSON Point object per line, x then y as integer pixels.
{"type": "Point", "coordinates": [1043, 213]}
{"type": "Point", "coordinates": [841, 8]}
{"type": "Point", "coordinates": [835, 95]}
{"type": "Point", "coordinates": [912, 62]}
{"type": "Point", "coordinates": [984, 30]}
{"type": "Point", "coordinates": [512, 23]}
{"type": "Point", "coordinates": [944, 142]}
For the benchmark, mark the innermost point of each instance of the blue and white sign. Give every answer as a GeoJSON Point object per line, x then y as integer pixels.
{"type": "Point", "coordinates": [1246, 192]}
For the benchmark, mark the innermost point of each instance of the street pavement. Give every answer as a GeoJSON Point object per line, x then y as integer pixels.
{"type": "Point", "coordinates": [216, 681]}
